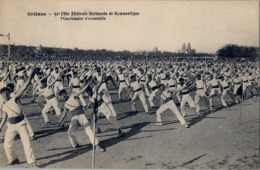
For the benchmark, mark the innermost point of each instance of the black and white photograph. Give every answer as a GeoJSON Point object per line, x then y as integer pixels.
{"type": "Point", "coordinates": [143, 84]}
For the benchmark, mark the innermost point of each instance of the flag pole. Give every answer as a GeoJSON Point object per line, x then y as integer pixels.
{"type": "Point", "coordinates": [240, 115]}
{"type": "Point", "coordinates": [95, 110]}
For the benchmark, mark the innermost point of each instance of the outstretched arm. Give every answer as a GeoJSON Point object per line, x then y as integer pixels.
{"type": "Point", "coordinates": [81, 72]}
{"type": "Point", "coordinates": [131, 90]}
{"type": "Point", "coordinates": [99, 83]}
{"type": "Point", "coordinates": [65, 111]}
{"type": "Point", "coordinates": [50, 84]}
{"type": "Point", "coordinates": [175, 71]}
{"type": "Point", "coordinates": [3, 121]}
{"type": "Point", "coordinates": [205, 72]}
{"type": "Point", "coordinates": [21, 91]}
{"type": "Point", "coordinates": [174, 90]}
{"type": "Point", "coordinates": [6, 76]}
{"type": "Point", "coordinates": [42, 66]}
{"type": "Point", "coordinates": [84, 88]}
{"type": "Point", "coordinates": [143, 74]}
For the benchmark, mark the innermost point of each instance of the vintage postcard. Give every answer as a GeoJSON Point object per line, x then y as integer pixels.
{"type": "Point", "coordinates": [129, 84]}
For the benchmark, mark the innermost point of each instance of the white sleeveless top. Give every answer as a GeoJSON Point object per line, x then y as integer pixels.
{"type": "Point", "coordinates": [11, 108]}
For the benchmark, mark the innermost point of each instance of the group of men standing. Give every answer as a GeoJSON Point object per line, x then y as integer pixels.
{"type": "Point", "coordinates": [159, 85]}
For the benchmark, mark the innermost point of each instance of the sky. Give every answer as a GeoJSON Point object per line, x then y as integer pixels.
{"type": "Point", "coordinates": [207, 25]}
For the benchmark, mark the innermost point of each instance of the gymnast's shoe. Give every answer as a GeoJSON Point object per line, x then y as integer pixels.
{"type": "Point", "coordinates": [159, 124]}
{"type": "Point", "coordinates": [47, 123]}
{"type": "Point", "coordinates": [76, 146]}
{"type": "Point", "coordinates": [186, 125]}
{"type": "Point", "coordinates": [98, 130]}
{"type": "Point", "coordinates": [32, 138]}
{"type": "Point", "coordinates": [16, 161]}
{"type": "Point", "coordinates": [120, 133]}
{"type": "Point", "coordinates": [100, 148]}
{"type": "Point", "coordinates": [34, 165]}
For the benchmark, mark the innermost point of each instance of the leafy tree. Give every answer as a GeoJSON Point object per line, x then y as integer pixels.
{"type": "Point", "coordinates": [235, 51]}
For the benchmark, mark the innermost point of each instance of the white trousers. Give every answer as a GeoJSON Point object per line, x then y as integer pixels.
{"type": "Point", "coordinates": [51, 103]}
{"type": "Point", "coordinates": [1, 105]}
{"type": "Point", "coordinates": [141, 96]}
{"type": "Point", "coordinates": [169, 105]}
{"type": "Point", "coordinates": [199, 94]}
{"type": "Point", "coordinates": [152, 97]}
{"type": "Point", "coordinates": [217, 92]}
{"type": "Point", "coordinates": [245, 85]}
{"type": "Point", "coordinates": [76, 122]}
{"type": "Point", "coordinates": [29, 127]}
{"type": "Point", "coordinates": [145, 88]}
{"type": "Point", "coordinates": [19, 84]}
{"type": "Point", "coordinates": [122, 86]}
{"type": "Point", "coordinates": [21, 129]}
{"type": "Point", "coordinates": [236, 87]}
{"type": "Point", "coordinates": [186, 99]}
{"type": "Point", "coordinates": [228, 92]}
{"type": "Point", "coordinates": [58, 86]}
{"type": "Point", "coordinates": [106, 110]}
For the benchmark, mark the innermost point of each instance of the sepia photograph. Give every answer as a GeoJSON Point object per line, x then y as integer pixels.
{"type": "Point", "coordinates": [147, 84]}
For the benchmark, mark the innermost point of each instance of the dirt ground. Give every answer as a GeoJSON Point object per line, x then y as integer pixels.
{"type": "Point", "coordinates": [225, 139]}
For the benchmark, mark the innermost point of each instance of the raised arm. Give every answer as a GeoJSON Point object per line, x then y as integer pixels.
{"type": "Point", "coordinates": [84, 88]}
{"type": "Point", "coordinates": [143, 74]}
{"type": "Point", "coordinates": [99, 83]}
{"type": "Point", "coordinates": [174, 90]}
{"type": "Point", "coordinates": [204, 72]}
{"type": "Point", "coordinates": [21, 91]}
{"type": "Point", "coordinates": [6, 76]}
{"type": "Point", "coordinates": [64, 113]}
{"type": "Point", "coordinates": [3, 121]}
{"type": "Point", "coordinates": [42, 66]}
{"type": "Point", "coordinates": [50, 84]}
{"type": "Point", "coordinates": [175, 72]}
{"type": "Point", "coordinates": [131, 90]}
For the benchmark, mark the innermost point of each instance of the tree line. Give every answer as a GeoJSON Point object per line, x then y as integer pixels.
{"type": "Point", "coordinates": [20, 52]}
{"type": "Point", "coordinates": [236, 51]}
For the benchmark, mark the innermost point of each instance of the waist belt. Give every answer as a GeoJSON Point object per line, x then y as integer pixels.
{"type": "Point", "coordinates": [77, 111]}
{"type": "Point", "coordinates": [200, 88]}
{"type": "Point", "coordinates": [167, 100]}
{"type": "Point", "coordinates": [172, 86]}
{"type": "Point", "coordinates": [225, 87]}
{"type": "Point", "coordinates": [16, 119]}
{"type": "Point", "coordinates": [121, 81]}
{"type": "Point", "coordinates": [50, 97]}
{"type": "Point", "coordinates": [215, 86]}
{"type": "Point", "coordinates": [142, 80]}
{"type": "Point", "coordinates": [246, 81]}
{"type": "Point", "coordinates": [163, 79]}
{"type": "Point", "coordinates": [20, 77]}
{"type": "Point", "coordinates": [100, 102]}
{"type": "Point", "coordinates": [138, 90]}
{"type": "Point", "coordinates": [186, 92]}
{"type": "Point", "coordinates": [59, 80]}
{"type": "Point", "coordinates": [154, 88]}
{"type": "Point", "coordinates": [75, 86]}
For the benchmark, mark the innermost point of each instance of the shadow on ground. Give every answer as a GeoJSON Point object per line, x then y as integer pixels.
{"type": "Point", "coordinates": [135, 129]}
